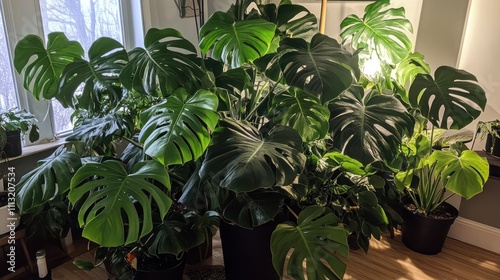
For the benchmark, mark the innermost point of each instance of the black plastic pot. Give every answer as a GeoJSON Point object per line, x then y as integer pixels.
{"type": "Point", "coordinates": [489, 145]}
{"type": "Point", "coordinates": [200, 253]}
{"type": "Point", "coordinates": [14, 147]}
{"type": "Point", "coordinates": [427, 235]}
{"type": "Point", "coordinates": [247, 253]}
{"type": "Point", "coordinates": [175, 272]}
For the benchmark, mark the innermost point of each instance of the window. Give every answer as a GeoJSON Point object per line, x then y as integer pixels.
{"type": "Point", "coordinates": [8, 94]}
{"type": "Point", "coordinates": [83, 21]}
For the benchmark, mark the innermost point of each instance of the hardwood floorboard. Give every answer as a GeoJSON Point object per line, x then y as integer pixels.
{"type": "Point", "coordinates": [386, 259]}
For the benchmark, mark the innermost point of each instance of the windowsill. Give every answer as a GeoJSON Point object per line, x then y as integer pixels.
{"type": "Point", "coordinates": [35, 149]}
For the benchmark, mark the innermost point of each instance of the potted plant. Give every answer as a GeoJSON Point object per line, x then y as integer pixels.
{"type": "Point", "coordinates": [15, 123]}
{"type": "Point", "coordinates": [149, 97]}
{"type": "Point", "coordinates": [490, 130]}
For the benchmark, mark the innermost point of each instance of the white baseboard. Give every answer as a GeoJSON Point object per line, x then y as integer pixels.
{"type": "Point", "coordinates": [481, 235]}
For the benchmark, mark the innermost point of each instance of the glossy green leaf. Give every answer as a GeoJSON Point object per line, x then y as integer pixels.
{"type": "Point", "coordinates": [49, 179]}
{"type": "Point", "coordinates": [321, 67]}
{"type": "Point", "coordinates": [241, 159]}
{"type": "Point", "coordinates": [42, 67]}
{"type": "Point", "coordinates": [303, 112]}
{"type": "Point", "coordinates": [178, 130]}
{"type": "Point", "coordinates": [107, 57]}
{"type": "Point", "coordinates": [407, 70]}
{"type": "Point", "coordinates": [450, 100]}
{"type": "Point", "coordinates": [463, 174]}
{"type": "Point", "coordinates": [235, 42]}
{"type": "Point", "coordinates": [109, 197]}
{"type": "Point", "coordinates": [166, 62]}
{"type": "Point", "coordinates": [249, 210]}
{"type": "Point", "coordinates": [317, 242]}
{"type": "Point", "coordinates": [296, 21]}
{"type": "Point", "coordinates": [369, 127]}
{"type": "Point", "coordinates": [384, 31]}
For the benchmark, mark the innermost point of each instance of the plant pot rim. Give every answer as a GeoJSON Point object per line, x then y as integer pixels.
{"type": "Point", "coordinates": [452, 210]}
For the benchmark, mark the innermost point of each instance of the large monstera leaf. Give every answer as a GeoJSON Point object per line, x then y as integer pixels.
{"type": "Point", "coordinates": [450, 100]}
{"type": "Point", "coordinates": [296, 21]}
{"type": "Point", "coordinates": [249, 210]}
{"type": "Point", "coordinates": [178, 130]}
{"type": "Point", "coordinates": [383, 31]}
{"type": "Point", "coordinates": [166, 62]}
{"type": "Point", "coordinates": [236, 42]}
{"type": "Point", "coordinates": [50, 178]}
{"type": "Point", "coordinates": [369, 127]}
{"type": "Point", "coordinates": [303, 112]}
{"type": "Point", "coordinates": [317, 240]}
{"type": "Point", "coordinates": [101, 131]}
{"type": "Point", "coordinates": [42, 67]}
{"type": "Point", "coordinates": [107, 57]}
{"type": "Point", "coordinates": [110, 196]}
{"type": "Point", "coordinates": [464, 174]}
{"type": "Point", "coordinates": [321, 67]}
{"type": "Point", "coordinates": [241, 159]}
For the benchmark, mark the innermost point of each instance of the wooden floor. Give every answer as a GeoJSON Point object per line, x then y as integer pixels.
{"type": "Point", "coordinates": [386, 259]}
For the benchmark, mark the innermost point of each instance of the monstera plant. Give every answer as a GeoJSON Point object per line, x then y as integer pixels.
{"type": "Point", "coordinates": [151, 98]}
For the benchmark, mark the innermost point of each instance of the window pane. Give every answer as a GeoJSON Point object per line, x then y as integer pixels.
{"type": "Point", "coordinates": [8, 96]}
{"type": "Point", "coordinates": [83, 21]}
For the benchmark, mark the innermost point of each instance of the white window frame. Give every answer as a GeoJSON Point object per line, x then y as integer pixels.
{"type": "Point", "coordinates": [23, 17]}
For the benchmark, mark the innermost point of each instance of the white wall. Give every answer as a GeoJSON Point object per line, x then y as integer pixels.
{"type": "Point", "coordinates": [163, 14]}
{"type": "Point", "coordinates": [480, 53]}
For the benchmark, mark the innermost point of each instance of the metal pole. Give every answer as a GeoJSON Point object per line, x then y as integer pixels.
{"type": "Point", "coordinates": [322, 19]}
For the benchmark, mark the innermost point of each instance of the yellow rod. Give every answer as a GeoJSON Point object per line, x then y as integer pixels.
{"type": "Point", "coordinates": [322, 19]}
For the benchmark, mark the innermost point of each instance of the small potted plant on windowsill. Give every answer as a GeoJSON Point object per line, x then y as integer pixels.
{"type": "Point", "coordinates": [15, 123]}
{"type": "Point", "coordinates": [490, 130]}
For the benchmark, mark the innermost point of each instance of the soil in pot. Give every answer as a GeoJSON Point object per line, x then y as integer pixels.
{"type": "Point", "coordinates": [163, 267]}
{"type": "Point", "coordinates": [427, 234]}
{"type": "Point", "coordinates": [490, 148]}
{"type": "Point", "coordinates": [13, 147]}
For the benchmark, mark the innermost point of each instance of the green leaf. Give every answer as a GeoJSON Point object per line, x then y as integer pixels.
{"type": "Point", "coordinates": [50, 178]}
{"type": "Point", "coordinates": [236, 42]}
{"type": "Point", "coordinates": [34, 134]}
{"type": "Point", "coordinates": [107, 57]}
{"type": "Point", "coordinates": [167, 62]}
{"type": "Point", "coordinates": [317, 240]}
{"type": "Point", "coordinates": [382, 31]}
{"type": "Point", "coordinates": [107, 194]}
{"type": "Point", "coordinates": [303, 112]}
{"type": "Point", "coordinates": [84, 264]}
{"type": "Point", "coordinates": [463, 174]}
{"type": "Point", "coordinates": [347, 163]}
{"type": "Point", "coordinates": [407, 70]}
{"type": "Point", "coordinates": [249, 210]}
{"type": "Point", "coordinates": [42, 67]}
{"type": "Point", "coordinates": [175, 236]}
{"type": "Point", "coordinates": [241, 159]}
{"type": "Point", "coordinates": [450, 100]}
{"type": "Point", "coordinates": [178, 130]}
{"type": "Point", "coordinates": [296, 21]}
{"type": "Point", "coordinates": [369, 128]}
{"type": "Point", "coordinates": [321, 67]}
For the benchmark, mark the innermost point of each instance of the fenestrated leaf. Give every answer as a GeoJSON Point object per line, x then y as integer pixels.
{"type": "Point", "coordinates": [369, 127]}
{"type": "Point", "coordinates": [107, 193]}
{"type": "Point", "coordinates": [321, 67]}
{"type": "Point", "coordinates": [167, 62]}
{"type": "Point", "coordinates": [107, 57]}
{"type": "Point", "coordinates": [450, 100]}
{"type": "Point", "coordinates": [296, 21]}
{"type": "Point", "coordinates": [235, 42]}
{"type": "Point", "coordinates": [407, 70]}
{"type": "Point", "coordinates": [100, 131]}
{"type": "Point", "coordinates": [42, 74]}
{"type": "Point", "coordinates": [249, 210]}
{"type": "Point", "coordinates": [49, 179]}
{"type": "Point", "coordinates": [317, 240]}
{"type": "Point", "coordinates": [178, 130]}
{"type": "Point", "coordinates": [384, 31]}
{"type": "Point", "coordinates": [241, 159]}
{"type": "Point", "coordinates": [303, 112]}
{"type": "Point", "coordinates": [463, 174]}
